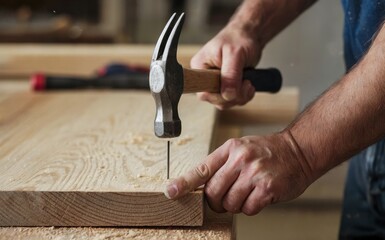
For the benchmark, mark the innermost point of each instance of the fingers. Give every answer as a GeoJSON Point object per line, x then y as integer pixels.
{"type": "Point", "coordinates": [237, 194]}
{"type": "Point", "coordinates": [208, 57]}
{"type": "Point", "coordinates": [247, 93]}
{"type": "Point", "coordinates": [231, 73]}
{"type": "Point", "coordinates": [219, 184]}
{"type": "Point", "coordinates": [229, 187]}
{"type": "Point", "coordinates": [198, 176]}
{"type": "Point", "coordinates": [231, 60]}
{"type": "Point", "coordinates": [256, 201]}
{"type": "Point", "coordinates": [245, 174]}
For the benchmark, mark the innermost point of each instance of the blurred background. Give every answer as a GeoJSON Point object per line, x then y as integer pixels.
{"type": "Point", "coordinates": [309, 54]}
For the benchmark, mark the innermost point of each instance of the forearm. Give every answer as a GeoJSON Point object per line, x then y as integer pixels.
{"type": "Point", "coordinates": [348, 117]}
{"type": "Point", "coordinates": [266, 18]}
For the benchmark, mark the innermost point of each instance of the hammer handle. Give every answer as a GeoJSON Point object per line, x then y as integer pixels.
{"type": "Point", "coordinates": [208, 80]}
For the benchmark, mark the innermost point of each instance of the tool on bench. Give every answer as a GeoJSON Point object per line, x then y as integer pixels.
{"type": "Point", "coordinates": [168, 80]}
{"type": "Point", "coordinates": [116, 76]}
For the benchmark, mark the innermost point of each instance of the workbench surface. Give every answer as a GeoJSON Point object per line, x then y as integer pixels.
{"type": "Point", "coordinates": [265, 109]}
{"type": "Point", "coordinates": [215, 225]}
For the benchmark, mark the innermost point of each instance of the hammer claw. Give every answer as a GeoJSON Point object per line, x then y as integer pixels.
{"type": "Point", "coordinates": [169, 53]}
{"type": "Point", "coordinates": [166, 37]}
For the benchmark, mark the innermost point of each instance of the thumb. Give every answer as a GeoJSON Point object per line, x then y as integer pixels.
{"type": "Point", "coordinates": [231, 73]}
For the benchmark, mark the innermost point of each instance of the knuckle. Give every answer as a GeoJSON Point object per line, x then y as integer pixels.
{"type": "Point", "coordinates": [183, 184]}
{"type": "Point", "coordinates": [211, 191]}
{"type": "Point", "coordinates": [231, 76]}
{"type": "Point", "coordinates": [194, 62]}
{"type": "Point", "coordinates": [243, 155]}
{"type": "Point", "coordinates": [267, 190]}
{"type": "Point", "coordinates": [229, 205]}
{"type": "Point", "coordinates": [263, 181]}
{"type": "Point", "coordinates": [254, 207]}
{"type": "Point", "coordinates": [233, 142]}
{"type": "Point", "coordinates": [215, 98]}
{"type": "Point", "coordinates": [233, 48]}
{"type": "Point", "coordinates": [202, 171]}
{"type": "Point", "coordinates": [203, 97]}
{"type": "Point", "coordinates": [250, 211]}
{"type": "Point", "coordinates": [244, 152]}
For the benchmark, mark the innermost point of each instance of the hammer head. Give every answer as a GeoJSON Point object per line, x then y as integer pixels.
{"type": "Point", "coordinates": [166, 79]}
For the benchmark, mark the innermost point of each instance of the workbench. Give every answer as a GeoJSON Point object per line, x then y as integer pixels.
{"type": "Point", "coordinates": [17, 63]}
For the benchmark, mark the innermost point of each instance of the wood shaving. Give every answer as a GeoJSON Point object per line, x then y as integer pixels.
{"type": "Point", "coordinates": [183, 141]}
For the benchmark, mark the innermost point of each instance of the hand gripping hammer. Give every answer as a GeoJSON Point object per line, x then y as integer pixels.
{"type": "Point", "coordinates": [168, 79]}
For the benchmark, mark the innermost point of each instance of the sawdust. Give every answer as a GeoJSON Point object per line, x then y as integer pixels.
{"type": "Point", "coordinates": [183, 140]}
{"type": "Point", "coordinates": [139, 139]}
{"type": "Point", "coordinates": [207, 232]}
{"type": "Point", "coordinates": [132, 138]}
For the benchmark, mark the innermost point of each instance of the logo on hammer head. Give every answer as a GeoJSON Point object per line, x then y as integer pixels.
{"type": "Point", "coordinates": [156, 79]}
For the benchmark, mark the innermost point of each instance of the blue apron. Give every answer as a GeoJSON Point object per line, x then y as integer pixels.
{"type": "Point", "coordinates": [363, 213]}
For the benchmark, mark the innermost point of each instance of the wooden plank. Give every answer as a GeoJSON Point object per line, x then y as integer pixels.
{"type": "Point", "coordinates": [90, 158]}
{"type": "Point", "coordinates": [84, 60]}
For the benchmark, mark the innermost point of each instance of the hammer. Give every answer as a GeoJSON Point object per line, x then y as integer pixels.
{"type": "Point", "coordinates": [168, 79]}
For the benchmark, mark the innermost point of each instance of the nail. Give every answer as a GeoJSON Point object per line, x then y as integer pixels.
{"type": "Point", "coordinates": [171, 191]}
{"type": "Point", "coordinates": [229, 94]}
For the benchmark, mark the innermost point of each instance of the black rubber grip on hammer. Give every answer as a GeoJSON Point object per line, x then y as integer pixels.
{"type": "Point", "coordinates": [264, 80]}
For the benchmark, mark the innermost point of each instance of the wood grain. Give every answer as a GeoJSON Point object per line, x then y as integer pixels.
{"type": "Point", "coordinates": [90, 158]}
{"type": "Point", "coordinates": [199, 80]}
{"type": "Point", "coordinates": [77, 208]}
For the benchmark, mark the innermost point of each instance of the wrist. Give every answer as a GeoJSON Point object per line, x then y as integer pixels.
{"type": "Point", "coordinates": [264, 19]}
{"type": "Point", "coordinates": [297, 153]}
{"type": "Point", "coordinates": [248, 20]}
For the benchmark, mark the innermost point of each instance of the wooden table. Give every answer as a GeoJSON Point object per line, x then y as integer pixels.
{"type": "Point", "coordinates": [19, 62]}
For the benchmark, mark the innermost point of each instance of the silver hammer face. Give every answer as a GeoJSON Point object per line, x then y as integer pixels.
{"type": "Point", "coordinates": [166, 79]}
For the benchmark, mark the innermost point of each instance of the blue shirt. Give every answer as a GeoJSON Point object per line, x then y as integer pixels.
{"type": "Point", "coordinates": [363, 18]}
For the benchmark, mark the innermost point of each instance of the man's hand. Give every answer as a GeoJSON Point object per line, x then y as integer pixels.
{"type": "Point", "coordinates": [247, 174]}
{"type": "Point", "coordinates": [231, 50]}
{"type": "Point", "coordinates": [240, 43]}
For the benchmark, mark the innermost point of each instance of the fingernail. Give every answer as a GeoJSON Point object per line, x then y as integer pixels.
{"type": "Point", "coordinates": [229, 94]}
{"type": "Point", "coordinates": [171, 191]}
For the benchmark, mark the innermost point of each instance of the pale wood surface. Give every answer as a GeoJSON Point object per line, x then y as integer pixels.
{"type": "Point", "coordinates": [23, 60]}
{"type": "Point", "coordinates": [100, 145]}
